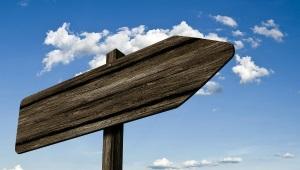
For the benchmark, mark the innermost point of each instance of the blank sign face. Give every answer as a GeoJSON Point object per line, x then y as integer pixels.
{"type": "Point", "coordinates": [157, 78]}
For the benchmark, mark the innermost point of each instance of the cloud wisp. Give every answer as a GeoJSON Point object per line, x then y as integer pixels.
{"type": "Point", "coordinates": [269, 29]}
{"type": "Point", "coordinates": [286, 155]}
{"type": "Point", "coordinates": [210, 88]}
{"type": "Point", "coordinates": [237, 33]}
{"type": "Point", "coordinates": [238, 44]}
{"type": "Point", "coordinates": [165, 164]}
{"type": "Point", "coordinates": [231, 160]}
{"type": "Point", "coordinates": [197, 164]}
{"type": "Point", "coordinates": [254, 42]}
{"type": "Point", "coordinates": [225, 20]}
{"type": "Point", "coordinates": [17, 167]}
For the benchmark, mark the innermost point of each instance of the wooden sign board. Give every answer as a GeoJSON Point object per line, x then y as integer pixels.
{"type": "Point", "coordinates": [152, 80]}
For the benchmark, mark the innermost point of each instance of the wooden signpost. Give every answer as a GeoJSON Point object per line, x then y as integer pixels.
{"type": "Point", "coordinates": [157, 78]}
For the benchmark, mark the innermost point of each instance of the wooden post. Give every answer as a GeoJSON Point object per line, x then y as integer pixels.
{"type": "Point", "coordinates": [112, 158]}
{"type": "Point", "coordinates": [113, 148]}
{"type": "Point", "coordinates": [113, 56]}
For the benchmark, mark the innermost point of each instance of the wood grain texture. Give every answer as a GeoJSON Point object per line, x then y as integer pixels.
{"type": "Point", "coordinates": [151, 80]}
{"type": "Point", "coordinates": [112, 158]}
{"type": "Point", "coordinates": [112, 155]}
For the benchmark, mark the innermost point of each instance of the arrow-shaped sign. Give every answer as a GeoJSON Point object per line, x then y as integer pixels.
{"type": "Point", "coordinates": [154, 79]}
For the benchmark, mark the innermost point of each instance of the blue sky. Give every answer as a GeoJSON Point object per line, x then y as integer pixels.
{"type": "Point", "coordinates": [247, 117]}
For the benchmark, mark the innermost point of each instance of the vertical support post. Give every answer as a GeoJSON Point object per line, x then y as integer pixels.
{"type": "Point", "coordinates": [113, 148]}
{"type": "Point", "coordinates": [113, 56]}
{"type": "Point", "coordinates": [112, 157]}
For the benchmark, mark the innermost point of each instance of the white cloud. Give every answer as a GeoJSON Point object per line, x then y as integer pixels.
{"type": "Point", "coordinates": [202, 163]}
{"type": "Point", "coordinates": [220, 76]}
{"type": "Point", "coordinates": [206, 163]}
{"type": "Point", "coordinates": [165, 164]}
{"type": "Point", "coordinates": [274, 33]}
{"type": "Point", "coordinates": [238, 44]}
{"type": "Point", "coordinates": [216, 37]}
{"type": "Point", "coordinates": [162, 164]}
{"type": "Point", "coordinates": [210, 88]}
{"type": "Point", "coordinates": [269, 29]}
{"type": "Point", "coordinates": [286, 155]}
{"type": "Point", "coordinates": [226, 20]}
{"type": "Point", "coordinates": [269, 23]}
{"type": "Point", "coordinates": [185, 30]}
{"type": "Point", "coordinates": [237, 33]}
{"type": "Point", "coordinates": [252, 41]}
{"type": "Point", "coordinates": [191, 164]}
{"type": "Point", "coordinates": [231, 160]}
{"type": "Point", "coordinates": [248, 71]}
{"type": "Point", "coordinates": [17, 167]}
{"type": "Point", "coordinates": [68, 45]}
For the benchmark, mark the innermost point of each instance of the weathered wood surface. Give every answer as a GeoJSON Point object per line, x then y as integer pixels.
{"type": "Point", "coordinates": [112, 155]}
{"type": "Point", "coordinates": [154, 79]}
{"type": "Point", "coordinates": [112, 158]}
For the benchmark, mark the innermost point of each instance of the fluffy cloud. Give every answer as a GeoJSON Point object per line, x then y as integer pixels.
{"type": "Point", "coordinates": [162, 164]}
{"type": "Point", "coordinates": [210, 88]}
{"type": "Point", "coordinates": [194, 164]}
{"type": "Point", "coordinates": [226, 20]}
{"type": "Point", "coordinates": [69, 46]}
{"type": "Point", "coordinates": [248, 71]}
{"type": "Point", "coordinates": [17, 167]}
{"type": "Point", "coordinates": [185, 30]}
{"type": "Point", "coordinates": [269, 29]}
{"type": "Point", "coordinates": [286, 155]}
{"type": "Point", "coordinates": [238, 44]}
{"type": "Point", "coordinates": [231, 160]}
{"type": "Point", "coordinates": [237, 33]}
{"type": "Point", "coordinates": [215, 36]}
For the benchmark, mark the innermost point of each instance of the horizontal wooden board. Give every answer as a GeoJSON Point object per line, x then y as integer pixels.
{"type": "Point", "coordinates": [154, 79]}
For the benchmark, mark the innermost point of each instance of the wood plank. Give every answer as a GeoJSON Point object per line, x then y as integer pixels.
{"type": "Point", "coordinates": [102, 124]}
{"type": "Point", "coordinates": [159, 47]}
{"type": "Point", "coordinates": [157, 78]}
